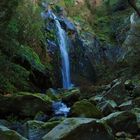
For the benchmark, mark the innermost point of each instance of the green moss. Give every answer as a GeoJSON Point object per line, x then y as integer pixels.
{"type": "Point", "coordinates": [29, 24]}
{"type": "Point", "coordinates": [38, 95]}
{"type": "Point", "coordinates": [86, 109]}
{"type": "Point", "coordinates": [44, 127]}
{"type": "Point", "coordinates": [13, 27]}
{"type": "Point", "coordinates": [10, 73]}
{"type": "Point", "coordinates": [27, 53]}
{"type": "Point", "coordinates": [50, 125]}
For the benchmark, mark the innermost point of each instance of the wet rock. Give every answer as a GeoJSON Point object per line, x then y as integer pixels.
{"type": "Point", "coordinates": [24, 104]}
{"type": "Point", "coordinates": [122, 121]}
{"type": "Point", "coordinates": [107, 107]}
{"type": "Point", "coordinates": [84, 108]}
{"type": "Point", "coordinates": [80, 129]}
{"type": "Point", "coordinates": [52, 47]}
{"type": "Point", "coordinates": [7, 134]}
{"type": "Point", "coordinates": [67, 25]}
{"type": "Point", "coordinates": [98, 98]}
{"type": "Point", "coordinates": [128, 105]}
{"type": "Point", "coordinates": [121, 134]}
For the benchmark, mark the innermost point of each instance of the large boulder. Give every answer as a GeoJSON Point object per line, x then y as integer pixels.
{"type": "Point", "coordinates": [85, 109]}
{"type": "Point", "coordinates": [24, 104]}
{"type": "Point", "coordinates": [80, 129]}
{"type": "Point", "coordinates": [7, 134]}
{"type": "Point", "coordinates": [122, 121]}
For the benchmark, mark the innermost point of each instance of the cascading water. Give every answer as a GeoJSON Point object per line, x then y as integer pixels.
{"type": "Point", "coordinates": [63, 44]}
{"type": "Point", "coordinates": [62, 40]}
{"type": "Point", "coordinates": [60, 109]}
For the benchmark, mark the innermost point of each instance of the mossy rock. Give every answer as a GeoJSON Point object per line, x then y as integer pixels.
{"type": "Point", "coordinates": [85, 109]}
{"type": "Point", "coordinates": [71, 96]}
{"type": "Point", "coordinates": [24, 104]}
{"type": "Point", "coordinates": [37, 129]}
{"type": "Point", "coordinates": [52, 94]}
{"type": "Point", "coordinates": [18, 75]}
{"type": "Point", "coordinates": [39, 74]}
{"type": "Point", "coordinates": [7, 134]}
{"type": "Point", "coordinates": [80, 129]}
{"type": "Point", "coordinates": [27, 54]}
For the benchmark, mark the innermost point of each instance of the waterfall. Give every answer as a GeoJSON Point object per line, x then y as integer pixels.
{"type": "Point", "coordinates": [62, 40]}
{"type": "Point", "coordinates": [63, 45]}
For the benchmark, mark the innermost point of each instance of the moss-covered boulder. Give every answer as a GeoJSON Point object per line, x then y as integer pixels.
{"type": "Point", "coordinates": [7, 134]}
{"type": "Point", "coordinates": [80, 129]}
{"type": "Point", "coordinates": [52, 93]}
{"type": "Point", "coordinates": [35, 130]}
{"type": "Point", "coordinates": [71, 96]}
{"type": "Point", "coordinates": [24, 104]}
{"type": "Point", "coordinates": [84, 108]}
{"type": "Point", "coordinates": [122, 121]}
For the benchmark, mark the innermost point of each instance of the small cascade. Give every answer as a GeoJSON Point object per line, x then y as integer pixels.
{"type": "Point", "coordinates": [132, 18]}
{"type": "Point", "coordinates": [60, 109]}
